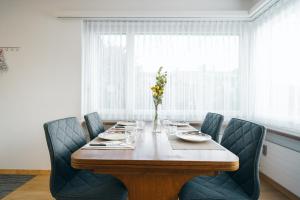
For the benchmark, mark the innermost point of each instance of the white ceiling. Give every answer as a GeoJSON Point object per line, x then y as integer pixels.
{"type": "Point", "coordinates": [193, 5]}
{"type": "Point", "coordinates": [138, 5]}
{"type": "Point", "coordinates": [137, 8]}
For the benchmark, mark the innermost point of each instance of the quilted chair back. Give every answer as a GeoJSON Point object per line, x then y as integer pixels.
{"type": "Point", "coordinates": [212, 125]}
{"type": "Point", "coordinates": [94, 124]}
{"type": "Point", "coordinates": [64, 136]}
{"type": "Point", "coordinates": [245, 139]}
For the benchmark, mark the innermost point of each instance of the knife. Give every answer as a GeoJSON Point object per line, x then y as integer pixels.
{"type": "Point", "coordinates": [194, 133]}
{"type": "Point", "coordinates": [99, 144]}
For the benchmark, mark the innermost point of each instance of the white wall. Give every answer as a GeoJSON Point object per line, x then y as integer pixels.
{"type": "Point", "coordinates": [43, 82]}
{"type": "Point", "coordinates": [282, 165]}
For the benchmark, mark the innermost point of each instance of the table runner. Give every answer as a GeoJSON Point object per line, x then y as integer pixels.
{"type": "Point", "coordinates": [179, 144]}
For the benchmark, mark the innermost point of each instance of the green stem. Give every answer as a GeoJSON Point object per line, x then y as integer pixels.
{"type": "Point", "coordinates": [156, 114]}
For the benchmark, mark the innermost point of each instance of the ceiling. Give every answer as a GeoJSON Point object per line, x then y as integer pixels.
{"type": "Point", "coordinates": [199, 5]}
{"type": "Point", "coordinates": [138, 5]}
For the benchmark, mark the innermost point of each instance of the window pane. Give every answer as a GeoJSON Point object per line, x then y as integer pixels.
{"type": "Point", "coordinates": [202, 71]}
{"type": "Point", "coordinates": [120, 61]}
{"type": "Point", "coordinates": [276, 67]}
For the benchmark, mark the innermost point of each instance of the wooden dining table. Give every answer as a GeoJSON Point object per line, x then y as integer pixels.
{"type": "Point", "coordinates": [153, 170]}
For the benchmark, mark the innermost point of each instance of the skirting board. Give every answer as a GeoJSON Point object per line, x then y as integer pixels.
{"type": "Point", "coordinates": [24, 171]}
{"type": "Point", "coordinates": [279, 187]}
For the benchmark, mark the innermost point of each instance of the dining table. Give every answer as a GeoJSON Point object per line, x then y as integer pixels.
{"type": "Point", "coordinates": [154, 169]}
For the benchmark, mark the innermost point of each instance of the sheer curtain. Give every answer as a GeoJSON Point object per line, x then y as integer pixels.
{"type": "Point", "coordinates": [275, 65]}
{"type": "Point", "coordinates": [206, 63]}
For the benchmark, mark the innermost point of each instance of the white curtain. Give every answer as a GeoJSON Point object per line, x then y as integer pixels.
{"type": "Point", "coordinates": [207, 64]}
{"type": "Point", "coordinates": [275, 65]}
{"type": "Point", "coordinates": [237, 68]}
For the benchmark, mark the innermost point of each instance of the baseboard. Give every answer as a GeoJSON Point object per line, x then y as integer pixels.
{"type": "Point", "coordinates": [279, 187]}
{"type": "Point", "coordinates": [24, 171]}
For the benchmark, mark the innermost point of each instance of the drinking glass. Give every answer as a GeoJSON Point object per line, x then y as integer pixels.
{"type": "Point", "coordinates": [172, 130]}
{"type": "Point", "coordinates": [130, 134]}
{"type": "Point", "coordinates": [166, 123]}
{"type": "Point", "coordinates": [140, 125]}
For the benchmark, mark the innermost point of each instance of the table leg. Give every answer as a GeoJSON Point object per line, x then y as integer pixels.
{"type": "Point", "coordinates": [150, 187]}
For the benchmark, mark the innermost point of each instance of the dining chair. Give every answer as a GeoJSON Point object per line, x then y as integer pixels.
{"type": "Point", "coordinates": [64, 136]}
{"type": "Point", "coordinates": [244, 139]}
{"type": "Point", "coordinates": [212, 125]}
{"type": "Point", "coordinates": [94, 124]}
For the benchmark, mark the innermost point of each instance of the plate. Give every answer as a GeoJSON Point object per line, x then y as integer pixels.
{"type": "Point", "coordinates": [194, 138]}
{"type": "Point", "coordinates": [116, 129]}
{"type": "Point", "coordinates": [179, 124]}
{"type": "Point", "coordinates": [112, 136]}
{"type": "Point", "coordinates": [125, 123]}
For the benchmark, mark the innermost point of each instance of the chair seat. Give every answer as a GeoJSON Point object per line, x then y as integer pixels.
{"type": "Point", "coordinates": [220, 187]}
{"type": "Point", "coordinates": [86, 185]}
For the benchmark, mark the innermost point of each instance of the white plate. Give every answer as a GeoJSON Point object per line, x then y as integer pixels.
{"type": "Point", "coordinates": [179, 124]}
{"type": "Point", "coordinates": [112, 136]}
{"type": "Point", "coordinates": [124, 123]}
{"type": "Point", "coordinates": [193, 138]}
{"type": "Point", "coordinates": [114, 130]}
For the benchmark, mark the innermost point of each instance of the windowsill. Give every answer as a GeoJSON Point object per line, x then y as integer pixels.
{"type": "Point", "coordinates": [284, 134]}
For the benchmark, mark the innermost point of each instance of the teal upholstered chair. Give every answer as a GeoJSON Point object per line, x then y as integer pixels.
{"type": "Point", "coordinates": [64, 136]}
{"type": "Point", "coordinates": [94, 124]}
{"type": "Point", "coordinates": [244, 139]}
{"type": "Point", "coordinates": [212, 125]}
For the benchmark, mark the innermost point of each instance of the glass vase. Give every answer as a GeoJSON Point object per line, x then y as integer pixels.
{"type": "Point", "coordinates": [156, 125]}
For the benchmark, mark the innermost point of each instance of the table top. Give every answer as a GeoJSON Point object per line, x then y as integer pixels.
{"type": "Point", "coordinates": [153, 150]}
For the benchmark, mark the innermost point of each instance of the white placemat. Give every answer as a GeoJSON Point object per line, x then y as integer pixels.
{"type": "Point", "coordinates": [179, 144]}
{"type": "Point", "coordinates": [110, 145]}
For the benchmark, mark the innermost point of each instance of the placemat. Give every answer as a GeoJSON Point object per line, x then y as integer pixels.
{"type": "Point", "coordinates": [115, 147]}
{"type": "Point", "coordinates": [179, 144]}
{"type": "Point", "coordinates": [87, 147]}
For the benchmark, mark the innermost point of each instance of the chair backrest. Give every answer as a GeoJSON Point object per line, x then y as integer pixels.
{"type": "Point", "coordinates": [94, 124]}
{"type": "Point", "coordinates": [64, 136]}
{"type": "Point", "coordinates": [245, 139]}
{"type": "Point", "coordinates": [212, 125]}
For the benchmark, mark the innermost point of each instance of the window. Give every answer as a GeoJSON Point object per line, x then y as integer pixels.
{"type": "Point", "coordinates": [276, 67]}
{"type": "Point", "coordinates": [237, 68]}
{"type": "Point", "coordinates": [121, 60]}
{"type": "Point", "coordinates": [203, 72]}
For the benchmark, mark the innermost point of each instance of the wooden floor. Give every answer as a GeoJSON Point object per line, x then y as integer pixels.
{"type": "Point", "coordinates": [38, 189]}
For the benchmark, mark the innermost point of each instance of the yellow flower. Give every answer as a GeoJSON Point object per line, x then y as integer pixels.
{"type": "Point", "coordinates": [157, 87]}
{"type": "Point", "coordinates": [154, 94]}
